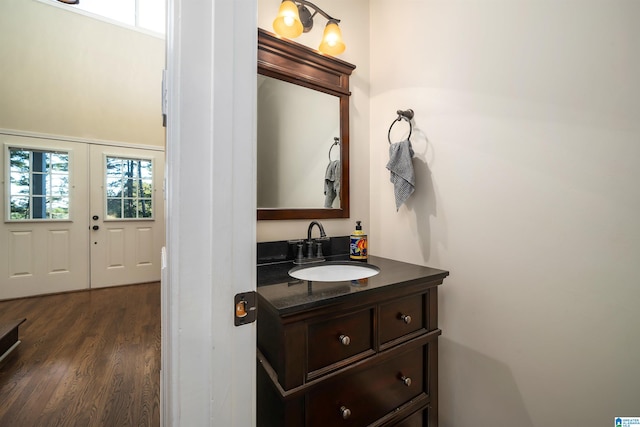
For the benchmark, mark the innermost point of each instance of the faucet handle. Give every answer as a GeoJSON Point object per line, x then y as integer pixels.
{"type": "Point", "coordinates": [300, 254]}
{"type": "Point", "coordinates": [319, 250]}
{"type": "Point", "coordinates": [309, 249]}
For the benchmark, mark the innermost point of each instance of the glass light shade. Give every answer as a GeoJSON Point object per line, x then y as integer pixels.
{"type": "Point", "coordinates": [332, 43]}
{"type": "Point", "coordinates": [287, 23]}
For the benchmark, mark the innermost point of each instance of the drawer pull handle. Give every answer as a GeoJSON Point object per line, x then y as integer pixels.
{"type": "Point", "coordinates": [344, 340]}
{"type": "Point", "coordinates": [345, 412]}
{"type": "Point", "coordinates": [405, 380]}
{"type": "Point", "coordinates": [405, 318]}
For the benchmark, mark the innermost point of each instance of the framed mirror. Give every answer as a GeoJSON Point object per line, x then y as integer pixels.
{"type": "Point", "coordinates": [303, 131]}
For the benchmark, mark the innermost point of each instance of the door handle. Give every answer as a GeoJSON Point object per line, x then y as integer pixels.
{"type": "Point", "coordinates": [95, 217]}
{"type": "Point", "coordinates": [96, 227]}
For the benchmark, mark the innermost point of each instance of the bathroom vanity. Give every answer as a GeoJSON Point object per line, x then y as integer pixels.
{"type": "Point", "coordinates": [349, 353]}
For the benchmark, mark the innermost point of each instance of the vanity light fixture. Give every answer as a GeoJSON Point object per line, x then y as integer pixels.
{"type": "Point", "coordinates": [294, 18]}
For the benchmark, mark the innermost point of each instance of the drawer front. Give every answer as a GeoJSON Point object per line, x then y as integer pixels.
{"type": "Point", "coordinates": [338, 339]}
{"type": "Point", "coordinates": [363, 397]}
{"type": "Point", "coordinates": [402, 316]}
{"type": "Point", "coordinates": [419, 419]}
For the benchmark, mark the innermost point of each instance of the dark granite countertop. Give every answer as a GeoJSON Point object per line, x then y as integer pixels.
{"type": "Point", "coordinates": [288, 295]}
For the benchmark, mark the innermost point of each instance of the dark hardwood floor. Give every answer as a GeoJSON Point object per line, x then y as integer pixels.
{"type": "Point", "coordinates": [89, 358]}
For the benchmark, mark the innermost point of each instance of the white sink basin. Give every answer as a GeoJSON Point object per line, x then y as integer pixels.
{"type": "Point", "coordinates": [334, 271]}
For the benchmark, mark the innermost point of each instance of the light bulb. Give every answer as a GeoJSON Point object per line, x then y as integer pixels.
{"type": "Point", "coordinates": [332, 43]}
{"type": "Point", "coordinates": [287, 23]}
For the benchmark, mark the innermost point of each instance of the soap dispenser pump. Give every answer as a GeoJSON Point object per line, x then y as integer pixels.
{"type": "Point", "coordinates": [358, 246]}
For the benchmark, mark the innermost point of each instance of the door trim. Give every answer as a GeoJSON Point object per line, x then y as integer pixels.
{"type": "Point", "coordinates": [209, 365]}
{"type": "Point", "coordinates": [55, 137]}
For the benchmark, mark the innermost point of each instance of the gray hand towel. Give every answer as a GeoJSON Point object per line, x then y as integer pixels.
{"type": "Point", "coordinates": [331, 183]}
{"type": "Point", "coordinates": [401, 167]}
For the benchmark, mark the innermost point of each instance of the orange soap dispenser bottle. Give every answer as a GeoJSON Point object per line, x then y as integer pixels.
{"type": "Point", "coordinates": [358, 246]}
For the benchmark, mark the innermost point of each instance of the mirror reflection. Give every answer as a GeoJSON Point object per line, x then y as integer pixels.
{"type": "Point", "coordinates": [298, 159]}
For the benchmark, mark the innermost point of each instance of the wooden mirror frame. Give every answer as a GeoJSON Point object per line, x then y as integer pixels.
{"type": "Point", "coordinates": [292, 62]}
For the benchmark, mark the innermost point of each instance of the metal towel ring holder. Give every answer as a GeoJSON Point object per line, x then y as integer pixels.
{"type": "Point", "coordinates": [336, 141]}
{"type": "Point", "coordinates": [402, 115]}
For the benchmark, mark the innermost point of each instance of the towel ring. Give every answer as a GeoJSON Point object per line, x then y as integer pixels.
{"type": "Point", "coordinates": [402, 115]}
{"type": "Point", "coordinates": [336, 141]}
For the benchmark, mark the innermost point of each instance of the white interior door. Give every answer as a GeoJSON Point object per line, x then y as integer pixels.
{"type": "Point", "coordinates": [126, 215]}
{"type": "Point", "coordinates": [44, 216]}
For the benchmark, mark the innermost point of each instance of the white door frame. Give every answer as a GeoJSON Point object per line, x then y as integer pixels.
{"type": "Point", "coordinates": [208, 367]}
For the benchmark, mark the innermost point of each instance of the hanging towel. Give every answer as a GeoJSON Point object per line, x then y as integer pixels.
{"type": "Point", "coordinates": [401, 168]}
{"type": "Point", "coordinates": [331, 183]}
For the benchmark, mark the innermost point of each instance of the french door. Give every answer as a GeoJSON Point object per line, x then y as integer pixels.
{"type": "Point", "coordinates": [43, 251]}
{"type": "Point", "coordinates": [127, 215]}
{"type": "Point", "coordinates": [51, 191]}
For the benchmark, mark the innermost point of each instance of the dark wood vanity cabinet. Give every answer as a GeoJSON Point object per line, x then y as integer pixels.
{"type": "Point", "coordinates": [364, 356]}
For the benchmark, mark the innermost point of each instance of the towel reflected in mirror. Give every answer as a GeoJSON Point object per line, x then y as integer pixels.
{"type": "Point", "coordinates": [332, 183]}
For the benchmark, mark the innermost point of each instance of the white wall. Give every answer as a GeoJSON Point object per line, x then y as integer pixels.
{"type": "Point", "coordinates": [528, 141]}
{"type": "Point", "coordinates": [354, 16]}
{"type": "Point", "coordinates": [68, 75]}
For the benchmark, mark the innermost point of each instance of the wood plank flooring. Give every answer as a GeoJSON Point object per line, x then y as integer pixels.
{"type": "Point", "coordinates": [88, 358]}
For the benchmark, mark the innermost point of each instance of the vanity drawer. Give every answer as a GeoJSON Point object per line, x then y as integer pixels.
{"type": "Point", "coordinates": [363, 397]}
{"type": "Point", "coordinates": [345, 338]}
{"type": "Point", "coordinates": [419, 419]}
{"type": "Point", "coordinates": [402, 316]}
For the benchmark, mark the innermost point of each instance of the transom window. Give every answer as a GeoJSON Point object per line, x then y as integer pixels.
{"type": "Point", "coordinates": [129, 188]}
{"type": "Point", "coordinates": [38, 184]}
{"type": "Point", "coordinates": [145, 14]}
